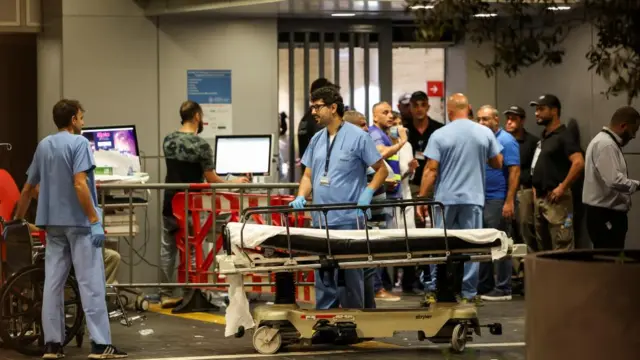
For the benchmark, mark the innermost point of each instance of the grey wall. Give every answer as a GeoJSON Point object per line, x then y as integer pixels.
{"type": "Point", "coordinates": [579, 91]}
{"type": "Point", "coordinates": [129, 69]}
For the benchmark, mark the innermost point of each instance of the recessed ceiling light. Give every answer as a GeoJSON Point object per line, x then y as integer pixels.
{"type": "Point", "coordinates": [559, 8]}
{"type": "Point", "coordinates": [420, 7]}
{"type": "Point", "coordinates": [343, 14]}
{"type": "Point", "coordinates": [483, 15]}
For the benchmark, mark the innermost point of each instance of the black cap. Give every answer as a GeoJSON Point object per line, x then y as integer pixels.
{"type": "Point", "coordinates": [419, 96]}
{"type": "Point", "coordinates": [515, 110]}
{"type": "Point", "coordinates": [547, 100]}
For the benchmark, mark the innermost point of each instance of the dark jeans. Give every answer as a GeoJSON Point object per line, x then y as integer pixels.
{"type": "Point", "coordinates": [607, 228]}
{"type": "Point", "coordinates": [492, 219]}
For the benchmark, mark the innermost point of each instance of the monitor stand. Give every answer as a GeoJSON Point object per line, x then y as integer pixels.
{"type": "Point", "coordinates": [258, 179]}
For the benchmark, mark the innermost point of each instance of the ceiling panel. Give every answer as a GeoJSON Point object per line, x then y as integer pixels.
{"type": "Point", "coordinates": [388, 9]}
{"type": "Point", "coordinates": [371, 9]}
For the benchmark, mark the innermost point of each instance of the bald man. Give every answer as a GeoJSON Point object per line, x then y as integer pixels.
{"type": "Point", "coordinates": [457, 156]}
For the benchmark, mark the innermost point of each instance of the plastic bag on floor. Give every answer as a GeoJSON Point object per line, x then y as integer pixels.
{"type": "Point", "coordinates": [238, 312]}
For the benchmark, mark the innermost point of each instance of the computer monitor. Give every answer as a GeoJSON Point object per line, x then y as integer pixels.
{"type": "Point", "coordinates": [123, 139]}
{"type": "Point", "coordinates": [243, 154]}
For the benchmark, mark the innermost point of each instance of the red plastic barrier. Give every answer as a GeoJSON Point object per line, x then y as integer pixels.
{"type": "Point", "coordinates": [199, 204]}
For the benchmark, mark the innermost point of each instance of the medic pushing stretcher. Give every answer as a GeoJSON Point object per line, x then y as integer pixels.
{"type": "Point", "coordinates": [262, 248]}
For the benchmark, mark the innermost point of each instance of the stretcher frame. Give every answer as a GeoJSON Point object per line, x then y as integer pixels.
{"type": "Point", "coordinates": [239, 261]}
{"type": "Point", "coordinates": [285, 323]}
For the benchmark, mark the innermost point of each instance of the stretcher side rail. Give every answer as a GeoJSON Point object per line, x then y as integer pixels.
{"type": "Point", "coordinates": [324, 208]}
{"type": "Point", "coordinates": [238, 259]}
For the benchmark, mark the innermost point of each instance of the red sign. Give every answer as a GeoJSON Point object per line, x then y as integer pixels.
{"type": "Point", "coordinates": [435, 88]}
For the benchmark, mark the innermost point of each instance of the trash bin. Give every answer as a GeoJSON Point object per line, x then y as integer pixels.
{"type": "Point", "coordinates": [583, 304]}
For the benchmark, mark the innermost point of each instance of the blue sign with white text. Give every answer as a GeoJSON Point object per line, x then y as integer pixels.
{"type": "Point", "coordinates": [209, 86]}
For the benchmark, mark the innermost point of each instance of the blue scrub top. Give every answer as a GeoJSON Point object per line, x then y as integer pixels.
{"type": "Point", "coordinates": [462, 148]}
{"type": "Point", "coordinates": [497, 179]}
{"type": "Point", "coordinates": [352, 153]}
{"type": "Point", "coordinates": [57, 159]}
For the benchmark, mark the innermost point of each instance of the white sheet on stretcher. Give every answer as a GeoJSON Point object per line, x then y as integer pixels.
{"type": "Point", "coordinates": [238, 312]}
{"type": "Point", "coordinates": [255, 234]}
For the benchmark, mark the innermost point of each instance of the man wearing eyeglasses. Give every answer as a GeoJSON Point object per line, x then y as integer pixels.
{"type": "Point", "coordinates": [336, 164]}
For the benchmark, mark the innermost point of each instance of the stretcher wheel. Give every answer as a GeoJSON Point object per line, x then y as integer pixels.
{"type": "Point", "coordinates": [124, 300]}
{"type": "Point", "coordinates": [21, 309]}
{"type": "Point", "coordinates": [142, 304]}
{"type": "Point", "coordinates": [261, 342]}
{"type": "Point", "coordinates": [459, 338]}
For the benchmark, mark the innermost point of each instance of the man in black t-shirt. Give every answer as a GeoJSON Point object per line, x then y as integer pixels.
{"type": "Point", "coordinates": [557, 163]}
{"type": "Point", "coordinates": [189, 159]}
{"type": "Point", "coordinates": [528, 142]}
{"type": "Point", "coordinates": [420, 130]}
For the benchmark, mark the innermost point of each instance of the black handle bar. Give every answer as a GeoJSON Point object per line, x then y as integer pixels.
{"type": "Point", "coordinates": [285, 209]}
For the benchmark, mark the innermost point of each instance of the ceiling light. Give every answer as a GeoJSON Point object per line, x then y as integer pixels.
{"type": "Point", "coordinates": [420, 7]}
{"type": "Point", "coordinates": [559, 8]}
{"type": "Point", "coordinates": [343, 14]}
{"type": "Point", "coordinates": [485, 15]}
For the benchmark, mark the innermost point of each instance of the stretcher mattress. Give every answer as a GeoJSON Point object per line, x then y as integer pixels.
{"type": "Point", "coordinates": [353, 242]}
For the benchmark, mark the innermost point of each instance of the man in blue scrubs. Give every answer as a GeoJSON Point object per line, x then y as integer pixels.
{"type": "Point", "coordinates": [67, 209]}
{"type": "Point", "coordinates": [499, 207]}
{"type": "Point", "coordinates": [457, 154]}
{"type": "Point", "coordinates": [336, 162]}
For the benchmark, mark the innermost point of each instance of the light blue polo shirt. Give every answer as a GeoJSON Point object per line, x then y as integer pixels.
{"type": "Point", "coordinates": [462, 148]}
{"type": "Point", "coordinates": [497, 179]}
{"type": "Point", "coordinates": [352, 153]}
{"type": "Point", "coordinates": [57, 159]}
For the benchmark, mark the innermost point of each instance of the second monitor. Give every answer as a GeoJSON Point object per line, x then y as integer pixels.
{"type": "Point", "coordinates": [243, 154]}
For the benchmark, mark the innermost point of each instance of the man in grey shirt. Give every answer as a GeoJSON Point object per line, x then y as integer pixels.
{"type": "Point", "coordinates": [607, 187]}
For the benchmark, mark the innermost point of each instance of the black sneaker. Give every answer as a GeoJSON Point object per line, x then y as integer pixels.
{"type": "Point", "coordinates": [106, 352]}
{"type": "Point", "coordinates": [496, 295]}
{"type": "Point", "coordinates": [53, 351]}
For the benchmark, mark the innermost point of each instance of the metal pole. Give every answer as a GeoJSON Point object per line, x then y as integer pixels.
{"type": "Point", "coordinates": [130, 235]}
{"type": "Point", "coordinates": [187, 252]}
{"type": "Point", "coordinates": [336, 58]}
{"type": "Point", "coordinates": [352, 85]}
{"type": "Point", "coordinates": [385, 62]}
{"type": "Point", "coordinates": [365, 42]}
{"type": "Point", "coordinates": [306, 61]}
{"type": "Point", "coordinates": [321, 55]}
{"type": "Point", "coordinates": [292, 101]}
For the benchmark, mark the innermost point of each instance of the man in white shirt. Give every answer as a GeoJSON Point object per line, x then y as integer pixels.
{"type": "Point", "coordinates": [607, 187]}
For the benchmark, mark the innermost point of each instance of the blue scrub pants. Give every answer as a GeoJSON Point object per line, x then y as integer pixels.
{"type": "Point", "coordinates": [460, 217]}
{"type": "Point", "coordinates": [68, 246]}
{"type": "Point", "coordinates": [504, 267]}
{"type": "Point", "coordinates": [330, 296]}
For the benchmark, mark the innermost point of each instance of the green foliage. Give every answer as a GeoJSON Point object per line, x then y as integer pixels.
{"type": "Point", "coordinates": [527, 32]}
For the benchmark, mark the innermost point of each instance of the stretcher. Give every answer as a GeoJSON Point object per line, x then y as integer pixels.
{"type": "Point", "coordinates": [283, 250]}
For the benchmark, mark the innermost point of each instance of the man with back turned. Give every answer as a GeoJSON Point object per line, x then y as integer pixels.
{"type": "Point", "coordinates": [455, 168]}
{"type": "Point", "coordinates": [63, 167]}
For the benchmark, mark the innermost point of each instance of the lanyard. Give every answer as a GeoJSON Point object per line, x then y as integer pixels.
{"type": "Point", "coordinates": [330, 148]}
{"type": "Point", "coordinates": [619, 147]}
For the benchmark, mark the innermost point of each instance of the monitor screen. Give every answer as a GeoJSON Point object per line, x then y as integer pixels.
{"type": "Point", "coordinates": [123, 139]}
{"type": "Point", "coordinates": [245, 154]}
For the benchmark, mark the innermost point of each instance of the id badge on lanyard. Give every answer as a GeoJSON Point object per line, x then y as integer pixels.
{"type": "Point", "coordinates": [324, 179]}
{"type": "Point", "coordinates": [535, 156]}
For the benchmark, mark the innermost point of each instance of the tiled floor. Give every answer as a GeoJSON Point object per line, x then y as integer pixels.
{"type": "Point", "coordinates": [176, 338]}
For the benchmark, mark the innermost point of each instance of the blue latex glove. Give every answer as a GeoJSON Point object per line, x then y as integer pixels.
{"type": "Point", "coordinates": [97, 234]}
{"type": "Point", "coordinates": [298, 203]}
{"type": "Point", "coordinates": [365, 199]}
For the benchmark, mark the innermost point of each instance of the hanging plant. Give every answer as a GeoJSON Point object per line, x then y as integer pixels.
{"type": "Point", "coordinates": [526, 32]}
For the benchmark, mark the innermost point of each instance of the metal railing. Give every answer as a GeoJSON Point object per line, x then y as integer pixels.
{"type": "Point", "coordinates": [206, 189]}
